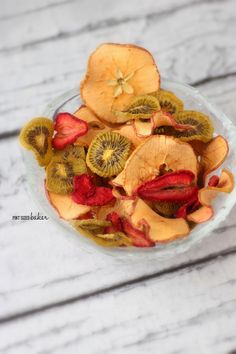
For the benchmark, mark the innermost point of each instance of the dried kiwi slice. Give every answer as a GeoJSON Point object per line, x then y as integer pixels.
{"type": "Point", "coordinates": [116, 239]}
{"type": "Point", "coordinates": [71, 153]}
{"type": "Point", "coordinates": [167, 209]}
{"type": "Point", "coordinates": [202, 128]}
{"type": "Point", "coordinates": [141, 107]}
{"type": "Point", "coordinates": [59, 174]}
{"type": "Point", "coordinates": [92, 225]}
{"type": "Point", "coordinates": [108, 153]}
{"type": "Point", "coordinates": [36, 136]}
{"type": "Point", "coordinates": [169, 102]}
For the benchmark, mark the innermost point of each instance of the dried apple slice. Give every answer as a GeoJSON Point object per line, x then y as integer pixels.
{"type": "Point", "coordinates": [203, 214]}
{"type": "Point", "coordinates": [225, 185]}
{"type": "Point", "coordinates": [145, 161]}
{"type": "Point", "coordinates": [128, 132]}
{"type": "Point", "coordinates": [160, 229]}
{"type": "Point", "coordinates": [143, 128]}
{"type": "Point", "coordinates": [95, 126]}
{"type": "Point", "coordinates": [115, 74]}
{"type": "Point", "coordinates": [67, 209]}
{"type": "Point", "coordinates": [214, 154]}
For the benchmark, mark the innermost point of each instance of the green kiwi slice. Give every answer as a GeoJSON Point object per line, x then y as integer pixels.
{"type": "Point", "coordinates": [202, 127]}
{"type": "Point", "coordinates": [36, 136]}
{"type": "Point", "coordinates": [108, 153]}
{"type": "Point", "coordinates": [141, 107]}
{"type": "Point", "coordinates": [60, 174]}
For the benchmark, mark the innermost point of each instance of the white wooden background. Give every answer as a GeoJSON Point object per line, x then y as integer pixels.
{"type": "Point", "coordinates": [55, 298]}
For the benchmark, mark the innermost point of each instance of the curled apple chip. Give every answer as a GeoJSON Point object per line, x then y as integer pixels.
{"type": "Point", "coordinates": [214, 154]}
{"type": "Point", "coordinates": [95, 126]}
{"type": "Point", "coordinates": [203, 214]}
{"type": "Point", "coordinates": [160, 229]}
{"type": "Point", "coordinates": [116, 73]}
{"type": "Point", "coordinates": [143, 128]}
{"type": "Point", "coordinates": [145, 161]}
{"type": "Point", "coordinates": [65, 206]}
{"type": "Point", "coordinates": [127, 130]}
{"type": "Point", "coordinates": [225, 185]}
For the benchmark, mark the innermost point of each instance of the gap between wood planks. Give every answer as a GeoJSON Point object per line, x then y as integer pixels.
{"type": "Point", "coordinates": [105, 23]}
{"type": "Point", "coordinates": [199, 262]}
{"type": "Point", "coordinates": [15, 132]}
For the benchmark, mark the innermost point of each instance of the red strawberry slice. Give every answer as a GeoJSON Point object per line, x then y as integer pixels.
{"type": "Point", "coordinates": [86, 193]}
{"type": "Point", "coordinates": [187, 208]}
{"type": "Point", "coordinates": [171, 187]}
{"type": "Point", "coordinates": [68, 128]}
{"type": "Point", "coordinates": [116, 221]}
{"type": "Point", "coordinates": [213, 181]}
{"type": "Point", "coordinates": [139, 238]}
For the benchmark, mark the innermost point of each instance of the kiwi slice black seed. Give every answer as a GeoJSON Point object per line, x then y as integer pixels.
{"type": "Point", "coordinates": [166, 209]}
{"type": "Point", "coordinates": [202, 127]}
{"type": "Point", "coordinates": [71, 153]}
{"type": "Point", "coordinates": [37, 136]}
{"type": "Point", "coordinates": [60, 174]}
{"type": "Point", "coordinates": [169, 102]}
{"type": "Point", "coordinates": [108, 153]}
{"type": "Point", "coordinates": [141, 107]}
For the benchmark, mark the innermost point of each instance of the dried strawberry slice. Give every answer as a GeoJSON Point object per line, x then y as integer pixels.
{"type": "Point", "coordinates": [213, 181]}
{"type": "Point", "coordinates": [171, 187]}
{"type": "Point", "coordinates": [68, 128]}
{"type": "Point", "coordinates": [116, 221]}
{"type": "Point", "coordinates": [138, 237]}
{"type": "Point", "coordinates": [187, 208]}
{"type": "Point", "coordinates": [86, 193]}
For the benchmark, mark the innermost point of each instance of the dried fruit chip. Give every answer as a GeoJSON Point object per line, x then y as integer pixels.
{"type": "Point", "coordinates": [116, 223]}
{"type": "Point", "coordinates": [60, 173]}
{"type": "Point", "coordinates": [92, 224]}
{"type": "Point", "coordinates": [160, 229]}
{"type": "Point", "coordinates": [36, 136]}
{"type": "Point", "coordinates": [201, 215]}
{"type": "Point", "coordinates": [145, 161]}
{"type": "Point", "coordinates": [169, 102]}
{"type": "Point", "coordinates": [95, 126]}
{"type": "Point", "coordinates": [68, 128]}
{"type": "Point", "coordinates": [117, 239]}
{"type": "Point", "coordinates": [128, 131]}
{"type": "Point", "coordinates": [202, 128]}
{"type": "Point", "coordinates": [213, 181]}
{"type": "Point", "coordinates": [226, 185]}
{"type": "Point", "coordinates": [187, 208]}
{"type": "Point", "coordinates": [71, 153]}
{"type": "Point", "coordinates": [139, 238]}
{"type": "Point", "coordinates": [214, 154]}
{"type": "Point", "coordinates": [115, 74]}
{"type": "Point", "coordinates": [141, 107]}
{"type": "Point", "coordinates": [172, 187]}
{"type": "Point", "coordinates": [107, 154]}
{"type": "Point", "coordinates": [143, 128]}
{"type": "Point", "coordinates": [66, 207]}
{"type": "Point", "coordinates": [166, 209]}
{"type": "Point", "coordinates": [86, 193]}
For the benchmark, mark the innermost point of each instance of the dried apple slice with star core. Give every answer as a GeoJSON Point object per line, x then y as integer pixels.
{"type": "Point", "coordinates": [115, 74]}
{"type": "Point", "coordinates": [145, 161]}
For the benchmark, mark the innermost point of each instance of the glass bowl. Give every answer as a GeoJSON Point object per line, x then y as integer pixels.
{"type": "Point", "coordinates": [70, 101]}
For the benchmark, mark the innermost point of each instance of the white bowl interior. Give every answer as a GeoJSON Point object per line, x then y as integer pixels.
{"type": "Point", "coordinates": [69, 102]}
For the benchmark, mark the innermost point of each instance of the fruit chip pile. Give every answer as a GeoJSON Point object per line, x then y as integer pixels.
{"type": "Point", "coordinates": [131, 167]}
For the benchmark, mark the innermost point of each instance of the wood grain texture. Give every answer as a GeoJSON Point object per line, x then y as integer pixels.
{"type": "Point", "coordinates": [197, 317]}
{"type": "Point", "coordinates": [190, 43]}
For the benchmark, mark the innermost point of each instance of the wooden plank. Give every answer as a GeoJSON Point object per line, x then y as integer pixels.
{"type": "Point", "coordinates": [189, 311]}
{"type": "Point", "coordinates": [32, 77]}
{"type": "Point", "coordinates": [38, 266]}
{"type": "Point", "coordinates": [52, 19]}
